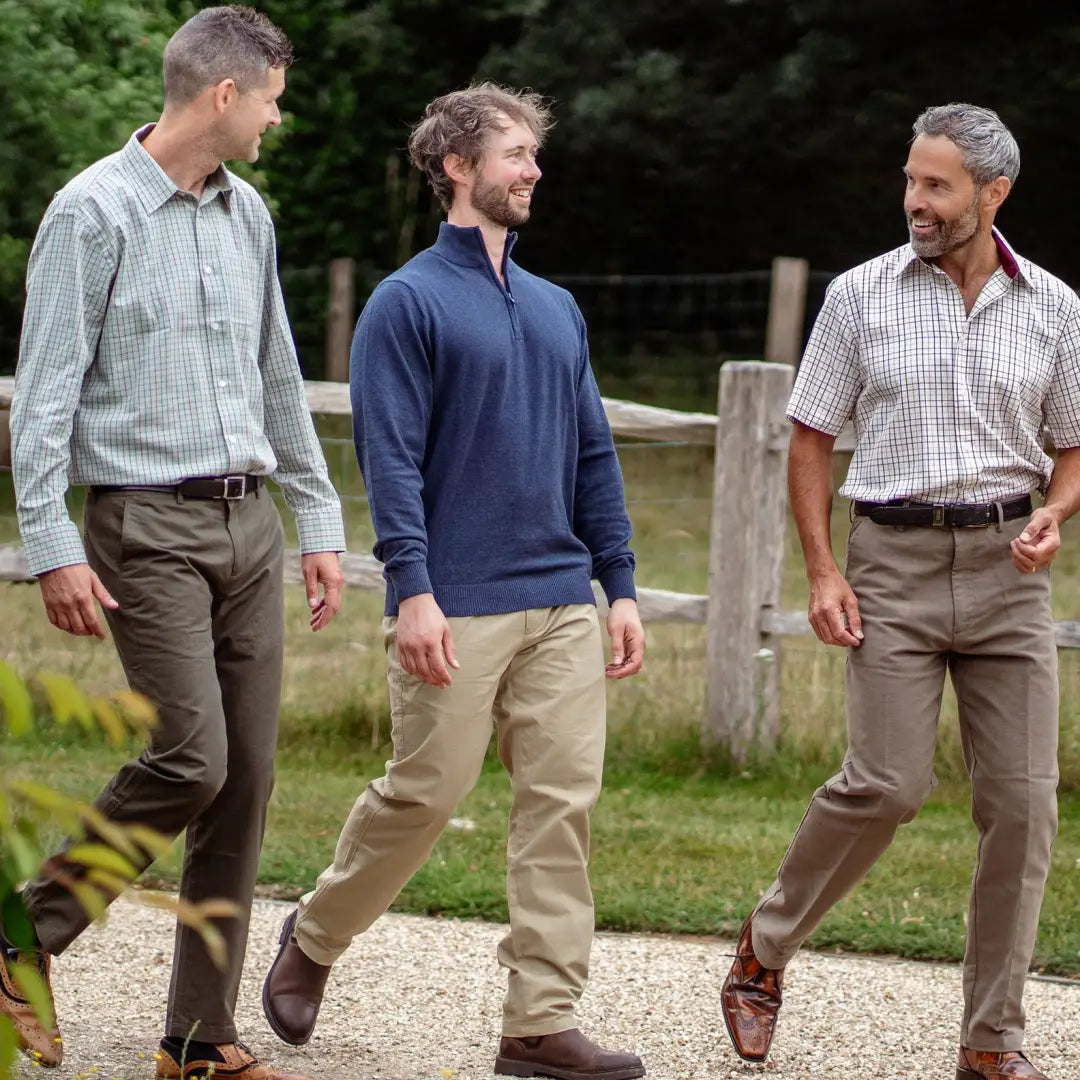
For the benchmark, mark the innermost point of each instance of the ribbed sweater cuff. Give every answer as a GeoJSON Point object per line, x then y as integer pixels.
{"type": "Point", "coordinates": [618, 584]}
{"type": "Point", "coordinates": [409, 580]}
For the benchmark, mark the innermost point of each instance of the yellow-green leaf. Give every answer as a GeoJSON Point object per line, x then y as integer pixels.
{"type": "Point", "coordinates": [66, 701]}
{"type": "Point", "coordinates": [107, 715]}
{"type": "Point", "coordinates": [137, 710]}
{"type": "Point", "coordinates": [103, 858]}
{"type": "Point", "coordinates": [15, 700]}
{"type": "Point", "coordinates": [34, 989]}
{"type": "Point", "coordinates": [111, 883]}
{"type": "Point", "coordinates": [9, 1045]}
{"type": "Point", "coordinates": [116, 836]}
{"type": "Point", "coordinates": [150, 840]}
{"type": "Point", "coordinates": [27, 859]}
{"type": "Point", "coordinates": [218, 909]}
{"type": "Point", "coordinates": [91, 899]}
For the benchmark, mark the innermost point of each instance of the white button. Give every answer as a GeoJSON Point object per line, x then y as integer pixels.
{"type": "Point", "coordinates": [223, 382]}
{"type": "Point", "coordinates": [208, 269]}
{"type": "Point", "coordinates": [215, 326]}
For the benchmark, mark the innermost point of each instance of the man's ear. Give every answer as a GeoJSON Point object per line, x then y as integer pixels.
{"type": "Point", "coordinates": [995, 193]}
{"type": "Point", "coordinates": [457, 168]}
{"type": "Point", "coordinates": [223, 94]}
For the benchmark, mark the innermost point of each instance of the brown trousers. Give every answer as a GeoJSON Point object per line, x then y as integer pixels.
{"type": "Point", "coordinates": [937, 600]}
{"type": "Point", "coordinates": [200, 632]}
{"type": "Point", "coordinates": [538, 675]}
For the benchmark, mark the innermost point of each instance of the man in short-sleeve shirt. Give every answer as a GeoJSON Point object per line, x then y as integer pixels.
{"type": "Point", "coordinates": [950, 355]}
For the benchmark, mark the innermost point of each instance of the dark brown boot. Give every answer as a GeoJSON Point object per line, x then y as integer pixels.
{"type": "Point", "coordinates": [750, 1000]}
{"type": "Point", "coordinates": [37, 1041]}
{"type": "Point", "coordinates": [293, 990]}
{"type": "Point", "coordinates": [995, 1065]}
{"type": "Point", "coordinates": [566, 1055]}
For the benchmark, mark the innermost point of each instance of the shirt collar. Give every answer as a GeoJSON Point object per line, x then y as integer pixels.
{"type": "Point", "coordinates": [1011, 263]}
{"type": "Point", "coordinates": [464, 245]}
{"type": "Point", "coordinates": [153, 184]}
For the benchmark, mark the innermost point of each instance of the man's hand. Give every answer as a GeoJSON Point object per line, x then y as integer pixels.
{"type": "Point", "coordinates": [68, 594]}
{"type": "Point", "coordinates": [425, 644]}
{"type": "Point", "coordinates": [322, 568]}
{"type": "Point", "coordinates": [627, 639]}
{"type": "Point", "coordinates": [834, 611]}
{"type": "Point", "coordinates": [1035, 548]}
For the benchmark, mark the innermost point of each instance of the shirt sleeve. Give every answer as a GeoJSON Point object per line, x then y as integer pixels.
{"type": "Point", "coordinates": [600, 518]}
{"type": "Point", "coordinates": [71, 270]}
{"type": "Point", "coordinates": [829, 379]}
{"type": "Point", "coordinates": [391, 387]}
{"type": "Point", "coordinates": [301, 470]}
{"type": "Point", "coordinates": [1061, 406]}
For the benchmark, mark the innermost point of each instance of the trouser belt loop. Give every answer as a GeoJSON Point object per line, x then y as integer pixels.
{"type": "Point", "coordinates": [1000, 515]}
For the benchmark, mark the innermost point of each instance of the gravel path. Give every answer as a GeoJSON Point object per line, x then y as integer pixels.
{"type": "Point", "coordinates": [419, 999]}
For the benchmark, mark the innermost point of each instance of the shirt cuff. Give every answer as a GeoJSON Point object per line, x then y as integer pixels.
{"type": "Point", "coordinates": [320, 532]}
{"type": "Point", "coordinates": [618, 584]}
{"type": "Point", "coordinates": [409, 580]}
{"type": "Point", "coordinates": [60, 546]}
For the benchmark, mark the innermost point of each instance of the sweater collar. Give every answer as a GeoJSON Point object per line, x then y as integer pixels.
{"type": "Point", "coordinates": [464, 246]}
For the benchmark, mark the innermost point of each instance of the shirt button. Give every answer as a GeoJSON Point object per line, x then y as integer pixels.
{"type": "Point", "coordinates": [223, 383]}
{"type": "Point", "coordinates": [208, 269]}
{"type": "Point", "coordinates": [215, 326]}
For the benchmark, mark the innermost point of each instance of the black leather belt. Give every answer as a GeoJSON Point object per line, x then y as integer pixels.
{"type": "Point", "coordinates": [197, 487]}
{"type": "Point", "coordinates": [944, 515]}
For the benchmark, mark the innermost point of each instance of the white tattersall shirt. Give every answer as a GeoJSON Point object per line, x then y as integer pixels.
{"type": "Point", "coordinates": [947, 407]}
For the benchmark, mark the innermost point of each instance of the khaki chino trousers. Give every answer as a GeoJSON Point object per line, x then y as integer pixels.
{"type": "Point", "coordinates": [200, 632]}
{"type": "Point", "coordinates": [934, 601]}
{"type": "Point", "coordinates": [538, 677]}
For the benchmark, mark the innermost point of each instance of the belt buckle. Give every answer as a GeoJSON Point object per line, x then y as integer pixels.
{"type": "Point", "coordinates": [233, 487]}
{"type": "Point", "coordinates": [938, 520]}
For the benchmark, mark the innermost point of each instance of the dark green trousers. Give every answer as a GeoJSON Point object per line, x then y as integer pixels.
{"type": "Point", "coordinates": [200, 632]}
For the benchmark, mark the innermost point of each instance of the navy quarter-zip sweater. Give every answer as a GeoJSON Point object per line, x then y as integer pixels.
{"type": "Point", "coordinates": [490, 470]}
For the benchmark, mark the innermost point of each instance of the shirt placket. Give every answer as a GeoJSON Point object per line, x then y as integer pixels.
{"type": "Point", "coordinates": [221, 355]}
{"type": "Point", "coordinates": [955, 317]}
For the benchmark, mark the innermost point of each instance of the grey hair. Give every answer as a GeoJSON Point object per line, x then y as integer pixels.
{"type": "Point", "coordinates": [233, 42]}
{"type": "Point", "coordinates": [988, 146]}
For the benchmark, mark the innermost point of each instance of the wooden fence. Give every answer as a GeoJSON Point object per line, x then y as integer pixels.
{"type": "Point", "coordinates": [742, 609]}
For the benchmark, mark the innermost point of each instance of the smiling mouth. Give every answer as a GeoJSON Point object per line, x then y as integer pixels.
{"type": "Point", "coordinates": [521, 193]}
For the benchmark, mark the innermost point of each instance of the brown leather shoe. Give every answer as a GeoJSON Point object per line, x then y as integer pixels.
{"type": "Point", "coordinates": [237, 1063]}
{"type": "Point", "coordinates": [41, 1044]}
{"type": "Point", "coordinates": [994, 1065]}
{"type": "Point", "coordinates": [750, 1000]}
{"type": "Point", "coordinates": [293, 990]}
{"type": "Point", "coordinates": [566, 1055]}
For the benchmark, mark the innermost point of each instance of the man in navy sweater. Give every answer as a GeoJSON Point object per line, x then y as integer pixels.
{"type": "Point", "coordinates": [496, 497]}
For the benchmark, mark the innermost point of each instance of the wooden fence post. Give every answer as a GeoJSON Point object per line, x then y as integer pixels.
{"type": "Point", "coordinates": [787, 310]}
{"type": "Point", "coordinates": [340, 319]}
{"type": "Point", "coordinates": [746, 558]}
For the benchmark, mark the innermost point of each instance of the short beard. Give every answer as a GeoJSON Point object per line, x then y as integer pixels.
{"type": "Point", "coordinates": [493, 203]}
{"type": "Point", "coordinates": [951, 234]}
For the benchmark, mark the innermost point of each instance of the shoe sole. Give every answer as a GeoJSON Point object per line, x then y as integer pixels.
{"type": "Point", "coordinates": [756, 1058]}
{"type": "Point", "coordinates": [967, 1074]}
{"type": "Point", "coordinates": [284, 1036]}
{"type": "Point", "coordinates": [505, 1066]}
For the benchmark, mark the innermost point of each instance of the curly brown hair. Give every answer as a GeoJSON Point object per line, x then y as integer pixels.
{"type": "Point", "coordinates": [459, 122]}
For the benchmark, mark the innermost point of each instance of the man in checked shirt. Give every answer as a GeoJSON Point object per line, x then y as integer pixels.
{"type": "Point", "coordinates": [950, 354]}
{"type": "Point", "coordinates": [157, 368]}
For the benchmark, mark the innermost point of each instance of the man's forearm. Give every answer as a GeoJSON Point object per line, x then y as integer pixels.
{"type": "Point", "coordinates": [1063, 495]}
{"type": "Point", "coordinates": [811, 493]}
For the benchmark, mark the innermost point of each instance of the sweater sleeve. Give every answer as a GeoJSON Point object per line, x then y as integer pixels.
{"type": "Point", "coordinates": [600, 518]}
{"type": "Point", "coordinates": [391, 390]}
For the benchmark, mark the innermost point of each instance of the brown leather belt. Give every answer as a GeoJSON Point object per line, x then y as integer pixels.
{"type": "Point", "coordinates": [197, 487]}
{"type": "Point", "coordinates": [944, 515]}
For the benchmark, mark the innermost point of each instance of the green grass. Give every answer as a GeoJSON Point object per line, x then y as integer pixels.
{"type": "Point", "coordinates": [671, 852]}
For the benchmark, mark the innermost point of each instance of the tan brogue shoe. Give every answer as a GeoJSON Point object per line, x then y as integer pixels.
{"type": "Point", "coordinates": [565, 1055]}
{"type": "Point", "coordinates": [236, 1062]}
{"type": "Point", "coordinates": [293, 990]}
{"type": "Point", "coordinates": [42, 1044]}
{"type": "Point", "coordinates": [995, 1065]}
{"type": "Point", "coordinates": [750, 1000]}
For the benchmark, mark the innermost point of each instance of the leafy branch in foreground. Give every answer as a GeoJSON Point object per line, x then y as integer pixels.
{"type": "Point", "coordinates": [101, 857]}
